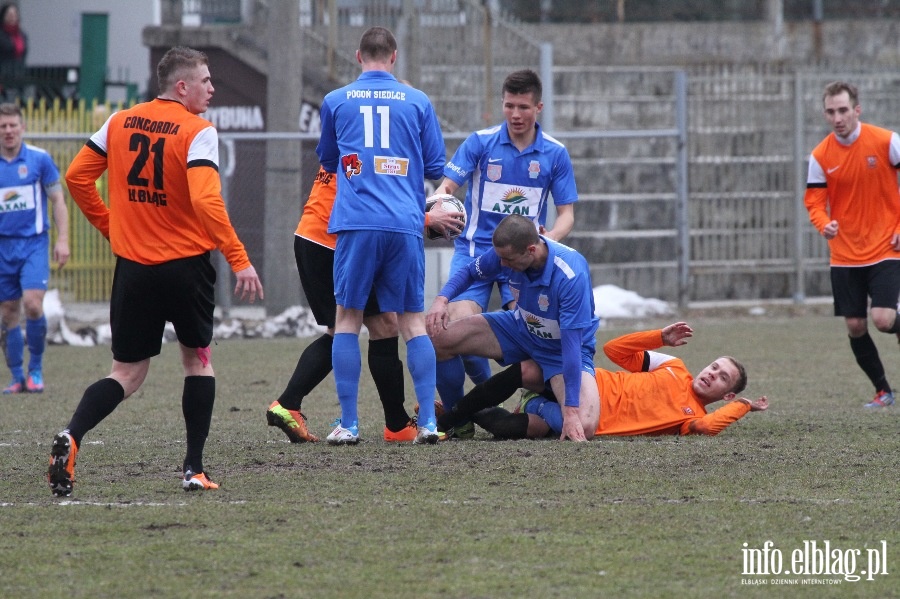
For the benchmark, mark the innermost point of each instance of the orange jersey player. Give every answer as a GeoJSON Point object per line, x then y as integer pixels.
{"type": "Point", "coordinates": [655, 395]}
{"type": "Point", "coordinates": [658, 395]}
{"type": "Point", "coordinates": [313, 223]}
{"type": "Point", "coordinates": [165, 215]}
{"type": "Point", "coordinates": [853, 201]}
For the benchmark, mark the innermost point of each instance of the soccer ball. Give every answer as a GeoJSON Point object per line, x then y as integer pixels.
{"type": "Point", "coordinates": [448, 203]}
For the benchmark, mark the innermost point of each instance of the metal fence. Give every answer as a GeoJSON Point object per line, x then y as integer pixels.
{"type": "Point", "coordinates": [751, 132]}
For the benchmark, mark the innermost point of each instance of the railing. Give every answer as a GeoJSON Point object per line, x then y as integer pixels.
{"type": "Point", "coordinates": [44, 82]}
{"type": "Point", "coordinates": [201, 12]}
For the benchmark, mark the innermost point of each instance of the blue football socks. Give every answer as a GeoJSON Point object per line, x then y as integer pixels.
{"type": "Point", "coordinates": [347, 360]}
{"type": "Point", "coordinates": [548, 410]}
{"type": "Point", "coordinates": [421, 360]}
{"type": "Point", "coordinates": [15, 348]}
{"type": "Point", "coordinates": [451, 380]}
{"type": "Point", "coordinates": [36, 334]}
{"type": "Point", "coordinates": [478, 368]}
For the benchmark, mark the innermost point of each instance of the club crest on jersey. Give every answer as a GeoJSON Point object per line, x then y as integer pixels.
{"type": "Point", "coordinates": [543, 302]}
{"type": "Point", "coordinates": [871, 161]}
{"type": "Point", "coordinates": [494, 171]}
{"type": "Point", "coordinates": [23, 171]}
{"type": "Point", "coordinates": [687, 411]}
{"type": "Point", "coordinates": [534, 169]}
{"type": "Point", "coordinates": [351, 164]}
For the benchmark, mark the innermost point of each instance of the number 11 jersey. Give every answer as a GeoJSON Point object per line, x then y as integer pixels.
{"type": "Point", "coordinates": [383, 139]}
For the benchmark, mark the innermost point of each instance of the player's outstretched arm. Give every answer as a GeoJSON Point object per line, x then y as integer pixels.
{"type": "Point", "coordinates": [715, 422]}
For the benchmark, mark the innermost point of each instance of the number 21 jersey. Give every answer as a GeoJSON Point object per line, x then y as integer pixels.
{"type": "Point", "coordinates": [165, 198]}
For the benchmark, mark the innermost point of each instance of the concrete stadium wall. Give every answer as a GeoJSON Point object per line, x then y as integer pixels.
{"type": "Point", "coordinates": [644, 44]}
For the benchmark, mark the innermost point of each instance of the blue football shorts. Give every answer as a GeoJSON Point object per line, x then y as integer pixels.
{"type": "Point", "coordinates": [24, 264]}
{"type": "Point", "coordinates": [390, 263]}
{"type": "Point", "coordinates": [517, 345]}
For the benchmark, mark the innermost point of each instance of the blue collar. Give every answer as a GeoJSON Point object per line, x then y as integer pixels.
{"type": "Point", "coordinates": [543, 277]}
{"type": "Point", "coordinates": [20, 156]}
{"type": "Point", "coordinates": [384, 75]}
{"type": "Point", "coordinates": [536, 146]}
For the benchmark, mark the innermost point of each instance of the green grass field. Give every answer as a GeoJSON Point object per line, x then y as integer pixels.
{"type": "Point", "coordinates": [618, 517]}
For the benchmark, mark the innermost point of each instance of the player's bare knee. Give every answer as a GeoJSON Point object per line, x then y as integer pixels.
{"type": "Point", "coordinates": [856, 327]}
{"type": "Point", "coordinates": [382, 326]}
{"type": "Point", "coordinates": [884, 323]}
{"type": "Point", "coordinates": [532, 376]}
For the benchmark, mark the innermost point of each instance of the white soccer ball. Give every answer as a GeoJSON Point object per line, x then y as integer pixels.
{"type": "Point", "coordinates": [447, 203]}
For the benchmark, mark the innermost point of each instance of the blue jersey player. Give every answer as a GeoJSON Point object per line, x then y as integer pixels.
{"type": "Point", "coordinates": [553, 323]}
{"type": "Point", "coordinates": [383, 139]}
{"type": "Point", "coordinates": [511, 168]}
{"type": "Point", "coordinates": [29, 185]}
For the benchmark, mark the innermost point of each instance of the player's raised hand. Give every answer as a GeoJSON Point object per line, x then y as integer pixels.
{"type": "Point", "coordinates": [677, 334]}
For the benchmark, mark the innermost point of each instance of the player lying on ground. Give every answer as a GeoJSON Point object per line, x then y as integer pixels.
{"type": "Point", "coordinates": [656, 396]}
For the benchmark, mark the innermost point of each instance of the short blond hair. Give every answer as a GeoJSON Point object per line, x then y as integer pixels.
{"type": "Point", "coordinates": [174, 62]}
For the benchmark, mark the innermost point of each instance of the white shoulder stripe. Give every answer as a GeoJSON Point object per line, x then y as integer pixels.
{"type": "Point", "coordinates": [815, 174]}
{"type": "Point", "coordinates": [657, 359]}
{"type": "Point", "coordinates": [35, 148]}
{"type": "Point", "coordinates": [552, 139]}
{"type": "Point", "coordinates": [894, 150]}
{"type": "Point", "coordinates": [564, 266]}
{"type": "Point", "coordinates": [205, 146]}
{"type": "Point", "coordinates": [488, 131]}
